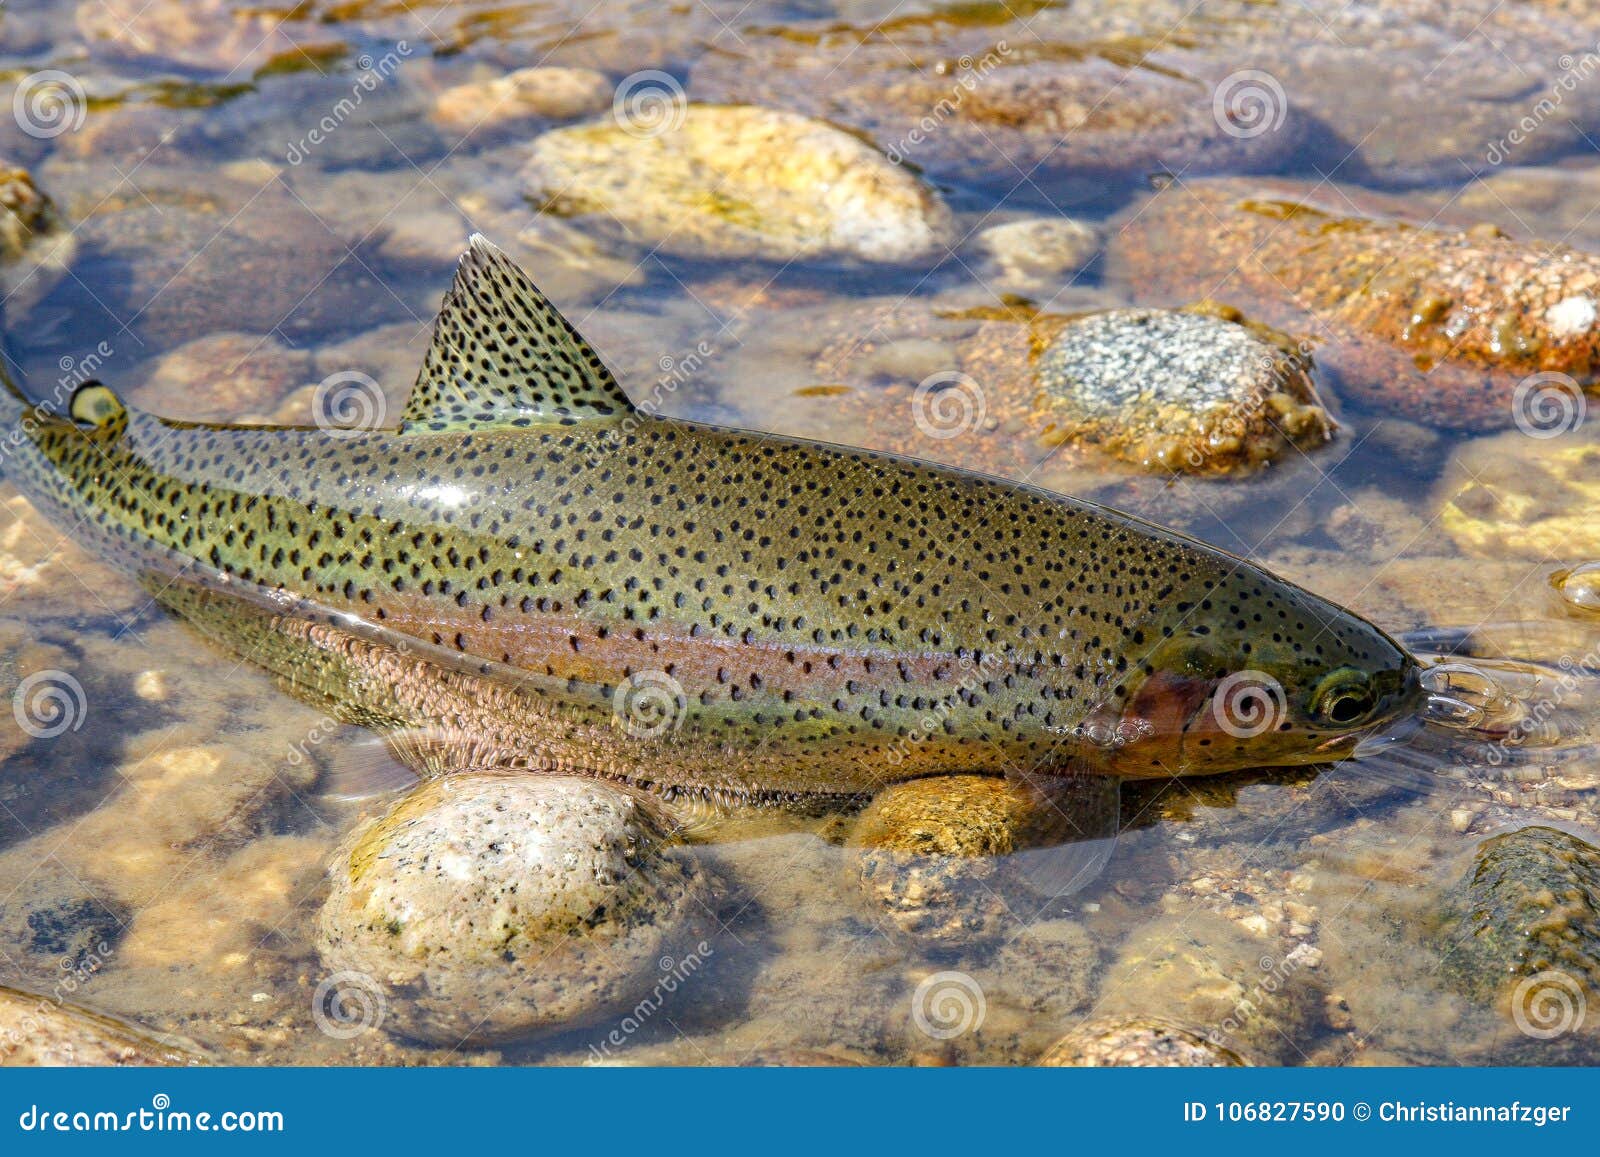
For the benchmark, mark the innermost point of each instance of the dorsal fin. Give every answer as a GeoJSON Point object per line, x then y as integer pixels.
{"type": "Point", "coordinates": [503, 356]}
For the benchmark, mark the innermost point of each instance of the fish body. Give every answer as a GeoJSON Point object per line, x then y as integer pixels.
{"type": "Point", "coordinates": [530, 572]}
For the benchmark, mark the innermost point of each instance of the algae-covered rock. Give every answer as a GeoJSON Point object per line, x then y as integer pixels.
{"type": "Point", "coordinates": [45, 1030]}
{"type": "Point", "coordinates": [927, 854]}
{"type": "Point", "coordinates": [1179, 390]}
{"type": "Point", "coordinates": [735, 181]}
{"type": "Point", "coordinates": [1140, 1042]}
{"type": "Point", "coordinates": [1441, 325]}
{"type": "Point", "coordinates": [1528, 907]}
{"type": "Point", "coordinates": [487, 907]}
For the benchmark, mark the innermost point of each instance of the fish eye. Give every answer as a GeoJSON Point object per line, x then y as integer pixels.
{"type": "Point", "coordinates": [1343, 697]}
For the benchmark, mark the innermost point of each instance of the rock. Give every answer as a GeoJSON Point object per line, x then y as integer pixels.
{"type": "Point", "coordinates": [734, 181]}
{"type": "Point", "coordinates": [1175, 390]}
{"type": "Point", "coordinates": [987, 98]}
{"type": "Point", "coordinates": [1434, 324]}
{"type": "Point", "coordinates": [36, 248]}
{"type": "Point", "coordinates": [1003, 389]}
{"type": "Point", "coordinates": [926, 854]}
{"type": "Point", "coordinates": [222, 377]}
{"type": "Point", "coordinates": [39, 1030]}
{"type": "Point", "coordinates": [1395, 90]}
{"type": "Point", "coordinates": [210, 36]}
{"type": "Point", "coordinates": [551, 93]}
{"type": "Point", "coordinates": [1141, 1042]}
{"type": "Point", "coordinates": [1528, 910]}
{"type": "Point", "coordinates": [244, 256]}
{"type": "Point", "coordinates": [488, 907]}
{"type": "Point", "coordinates": [25, 212]}
{"type": "Point", "coordinates": [1516, 497]}
{"type": "Point", "coordinates": [1039, 252]}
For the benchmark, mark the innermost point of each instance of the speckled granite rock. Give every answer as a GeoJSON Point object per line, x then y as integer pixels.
{"type": "Point", "coordinates": [1434, 324]}
{"type": "Point", "coordinates": [1179, 390]}
{"type": "Point", "coordinates": [486, 907]}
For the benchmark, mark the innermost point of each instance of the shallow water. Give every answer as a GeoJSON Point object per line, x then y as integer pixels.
{"type": "Point", "coordinates": [163, 849]}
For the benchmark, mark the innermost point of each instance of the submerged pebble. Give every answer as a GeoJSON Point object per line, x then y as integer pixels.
{"type": "Point", "coordinates": [1141, 1042]}
{"type": "Point", "coordinates": [549, 92]}
{"type": "Point", "coordinates": [221, 377]}
{"type": "Point", "coordinates": [488, 907]}
{"type": "Point", "coordinates": [738, 181]}
{"type": "Point", "coordinates": [927, 853]}
{"type": "Point", "coordinates": [1039, 252]}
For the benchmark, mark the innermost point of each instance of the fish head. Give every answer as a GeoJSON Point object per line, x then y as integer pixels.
{"type": "Point", "coordinates": [1253, 671]}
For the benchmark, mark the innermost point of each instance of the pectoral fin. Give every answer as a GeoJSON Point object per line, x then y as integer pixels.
{"type": "Point", "coordinates": [1070, 833]}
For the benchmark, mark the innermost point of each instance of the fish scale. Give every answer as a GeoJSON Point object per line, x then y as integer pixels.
{"type": "Point", "coordinates": [489, 582]}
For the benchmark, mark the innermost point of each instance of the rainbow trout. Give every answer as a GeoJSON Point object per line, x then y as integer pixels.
{"type": "Point", "coordinates": [529, 572]}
